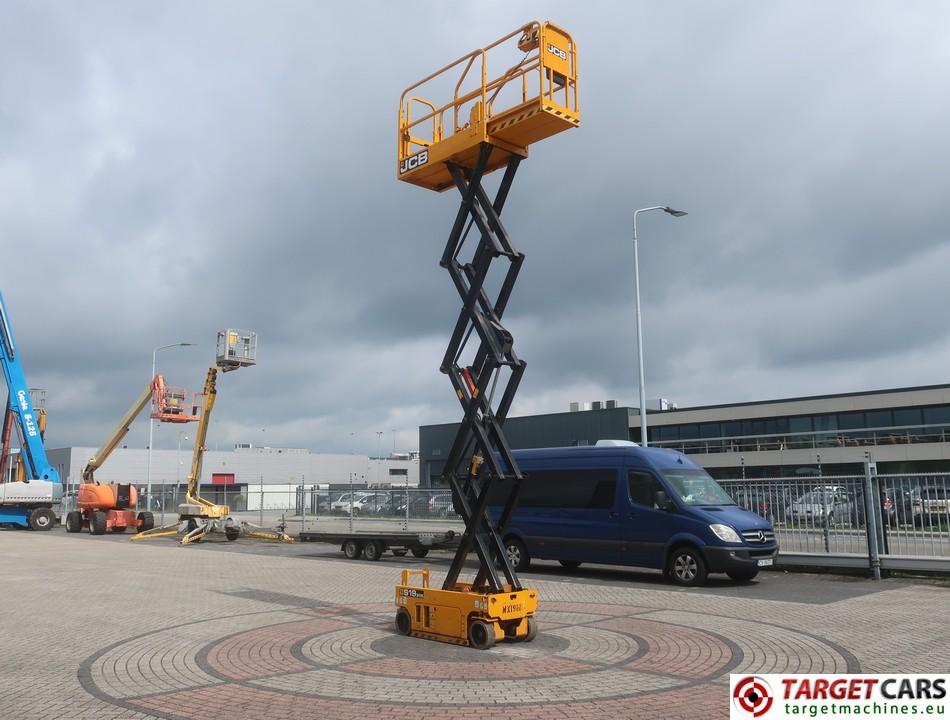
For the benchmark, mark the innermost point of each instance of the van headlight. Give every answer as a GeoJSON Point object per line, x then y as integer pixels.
{"type": "Point", "coordinates": [725, 533]}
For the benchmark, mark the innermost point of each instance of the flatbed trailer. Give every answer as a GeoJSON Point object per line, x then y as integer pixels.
{"type": "Point", "coordinates": [371, 545]}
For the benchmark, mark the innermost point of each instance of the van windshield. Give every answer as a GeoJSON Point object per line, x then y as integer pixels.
{"type": "Point", "coordinates": [696, 487]}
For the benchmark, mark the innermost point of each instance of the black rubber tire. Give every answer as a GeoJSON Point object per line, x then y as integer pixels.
{"type": "Point", "coordinates": [420, 552]}
{"type": "Point", "coordinates": [352, 549]}
{"type": "Point", "coordinates": [118, 529]}
{"type": "Point", "coordinates": [73, 521]}
{"type": "Point", "coordinates": [403, 621]}
{"type": "Point", "coordinates": [146, 521]}
{"type": "Point", "coordinates": [481, 635]}
{"type": "Point", "coordinates": [570, 564]}
{"type": "Point", "coordinates": [373, 550]}
{"type": "Point", "coordinates": [742, 575]}
{"type": "Point", "coordinates": [532, 630]}
{"type": "Point", "coordinates": [517, 554]}
{"type": "Point", "coordinates": [232, 533]}
{"type": "Point", "coordinates": [687, 567]}
{"type": "Point", "coordinates": [400, 552]}
{"type": "Point", "coordinates": [41, 519]}
{"type": "Point", "coordinates": [97, 523]}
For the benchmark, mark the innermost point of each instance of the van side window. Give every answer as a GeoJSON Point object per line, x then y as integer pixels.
{"type": "Point", "coordinates": [643, 488]}
{"type": "Point", "coordinates": [584, 489]}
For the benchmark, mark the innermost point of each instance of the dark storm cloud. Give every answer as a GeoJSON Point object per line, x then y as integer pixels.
{"type": "Point", "coordinates": [170, 169]}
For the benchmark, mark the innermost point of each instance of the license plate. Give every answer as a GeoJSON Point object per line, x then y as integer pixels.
{"type": "Point", "coordinates": [766, 562]}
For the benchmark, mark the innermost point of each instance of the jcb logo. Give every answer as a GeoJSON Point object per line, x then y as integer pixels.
{"type": "Point", "coordinates": [411, 163]}
{"type": "Point", "coordinates": [557, 51]}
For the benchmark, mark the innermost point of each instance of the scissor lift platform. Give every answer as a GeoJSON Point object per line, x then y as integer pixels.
{"type": "Point", "coordinates": [530, 101]}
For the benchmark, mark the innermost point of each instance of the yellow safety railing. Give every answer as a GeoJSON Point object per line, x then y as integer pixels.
{"type": "Point", "coordinates": [547, 74]}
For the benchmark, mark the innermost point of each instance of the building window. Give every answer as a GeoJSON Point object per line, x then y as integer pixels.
{"type": "Point", "coordinates": [880, 419]}
{"type": "Point", "coordinates": [907, 416]}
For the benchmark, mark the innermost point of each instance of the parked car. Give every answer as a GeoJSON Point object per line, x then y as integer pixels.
{"type": "Point", "coordinates": [389, 504]}
{"type": "Point", "coordinates": [418, 505]}
{"type": "Point", "coordinates": [935, 504]}
{"type": "Point", "coordinates": [441, 505]}
{"type": "Point", "coordinates": [770, 503]}
{"type": "Point", "coordinates": [342, 503]}
{"type": "Point", "coordinates": [826, 505]}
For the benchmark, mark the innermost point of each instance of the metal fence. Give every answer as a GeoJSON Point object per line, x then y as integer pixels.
{"type": "Point", "coordinates": [886, 521]}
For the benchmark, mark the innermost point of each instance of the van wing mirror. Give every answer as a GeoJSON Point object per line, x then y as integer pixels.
{"type": "Point", "coordinates": [663, 500]}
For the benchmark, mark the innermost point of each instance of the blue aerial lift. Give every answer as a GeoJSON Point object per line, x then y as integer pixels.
{"type": "Point", "coordinates": [26, 502]}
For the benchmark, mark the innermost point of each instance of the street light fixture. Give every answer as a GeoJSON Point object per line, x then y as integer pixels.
{"type": "Point", "coordinates": [636, 275]}
{"type": "Point", "coordinates": [148, 472]}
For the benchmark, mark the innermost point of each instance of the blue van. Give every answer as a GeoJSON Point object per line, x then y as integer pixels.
{"type": "Point", "coordinates": [620, 504]}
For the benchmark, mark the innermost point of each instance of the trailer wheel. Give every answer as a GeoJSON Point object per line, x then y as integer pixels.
{"type": "Point", "coordinates": [146, 521]}
{"type": "Point", "coordinates": [481, 635]}
{"type": "Point", "coordinates": [352, 549]}
{"type": "Point", "coordinates": [73, 521]}
{"type": "Point", "coordinates": [42, 519]}
{"type": "Point", "coordinates": [420, 552]}
{"type": "Point", "coordinates": [403, 621]}
{"type": "Point", "coordinates": [97, 523]}
{"type": "Point", "coordinates": [374, 550]}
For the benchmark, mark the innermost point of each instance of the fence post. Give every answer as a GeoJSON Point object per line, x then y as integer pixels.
{"type": "Point", "coordinates": [351, 502]}
{"type": "Point", "coordinates": [825, 510]}
{"type": "Point", "coordinates": [871, 516]}
{"type": "Point", "coordinates": [408, 500]}
{"type": "Point", "coordinates": [261, 523]}
{"type": "Point", "coordinates": [303, 503]}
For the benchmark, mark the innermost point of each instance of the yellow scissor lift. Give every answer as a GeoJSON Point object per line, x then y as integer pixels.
{"type": "Point", "coordinates": [514, 92]}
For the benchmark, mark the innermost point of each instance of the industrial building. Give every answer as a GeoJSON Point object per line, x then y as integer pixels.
{"type": "Point", "coordinates": [231, 475]}
{"type": "Point", "coordinates": [905, 430]}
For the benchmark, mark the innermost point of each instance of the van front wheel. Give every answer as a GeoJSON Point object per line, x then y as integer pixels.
{"type": "Point", "coordinates": [517, 554]}
{"type": "Point", "coordinates": [687, 567]}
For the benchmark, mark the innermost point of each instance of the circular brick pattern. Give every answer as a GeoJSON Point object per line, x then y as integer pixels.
{"type": "Point", "coordinates": [351, 662]}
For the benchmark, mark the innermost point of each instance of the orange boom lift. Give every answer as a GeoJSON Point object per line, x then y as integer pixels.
{"type": "Point", "coordinates": [491, 105]}
{"type": "Point", "coordinates": [111, 506]}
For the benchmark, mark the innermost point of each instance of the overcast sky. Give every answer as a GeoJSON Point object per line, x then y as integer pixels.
{"type": "Point", "coordinates": [170, 169]}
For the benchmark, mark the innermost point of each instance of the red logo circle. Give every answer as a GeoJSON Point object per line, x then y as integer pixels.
{"type": "Point", "coordinates": [752, 695]}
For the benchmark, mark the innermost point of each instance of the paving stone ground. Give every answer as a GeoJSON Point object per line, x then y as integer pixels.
{"type": "Point", "coordinates": [103, 628]}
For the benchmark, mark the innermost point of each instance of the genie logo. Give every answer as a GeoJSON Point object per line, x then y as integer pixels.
{"type": "Point", "coordinates": [27, 417]}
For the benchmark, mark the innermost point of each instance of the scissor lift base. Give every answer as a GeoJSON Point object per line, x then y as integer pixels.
{"type": "Point", "coordinates": [463, 616]}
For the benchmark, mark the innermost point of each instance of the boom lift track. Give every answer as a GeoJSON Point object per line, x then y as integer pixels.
{"type": "Point", "coordinates": [480, 464]}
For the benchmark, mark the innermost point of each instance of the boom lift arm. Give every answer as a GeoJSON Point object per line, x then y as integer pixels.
{"type": "Point", "coordinates": [197, 516]}
{"type": "Point", "coordinates": [112, 506]}
{"type": "Point", "coordinates": [27, 502]}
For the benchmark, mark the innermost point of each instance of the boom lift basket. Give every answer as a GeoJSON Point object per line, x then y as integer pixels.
{"type": "Point", "coordinates": [236, 349]}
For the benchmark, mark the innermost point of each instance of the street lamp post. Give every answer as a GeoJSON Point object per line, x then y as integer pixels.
{"type": "Point", "coordinates": [636, 280]}
{"type": "Point", "coordinates": [148, 472]}
{"type": "Point", "coordinates": [181, 436]}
